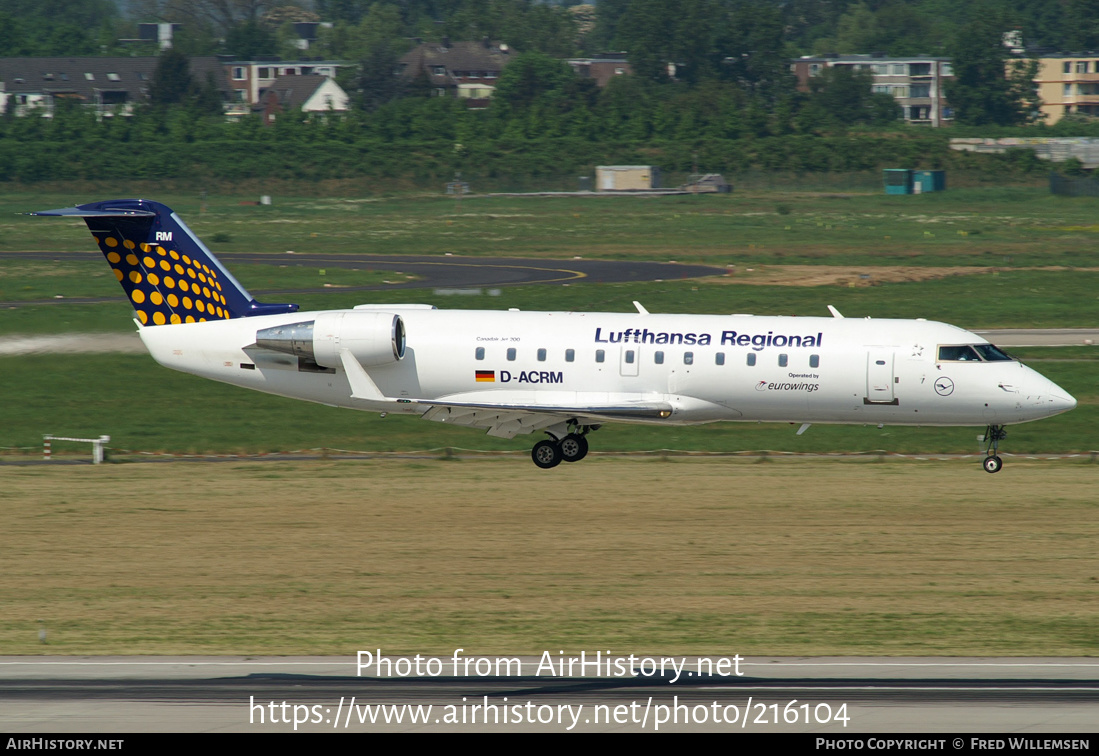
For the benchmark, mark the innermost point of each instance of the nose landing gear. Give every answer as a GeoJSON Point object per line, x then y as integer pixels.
{"type": "Point", "coordinates": [993, 436]}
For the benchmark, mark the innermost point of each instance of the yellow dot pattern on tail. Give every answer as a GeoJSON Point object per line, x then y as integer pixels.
{"type": "Point", "coordinates": [168, 274]}
{"type": "Point", "coordinates": [152, 295]}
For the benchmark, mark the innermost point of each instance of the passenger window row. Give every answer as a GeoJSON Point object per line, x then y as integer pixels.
{"type": "Point", "coordinates": [658, 357]}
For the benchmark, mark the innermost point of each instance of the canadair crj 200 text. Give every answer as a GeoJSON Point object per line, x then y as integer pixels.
{"type": "Point", "coordinates": [563, 374]}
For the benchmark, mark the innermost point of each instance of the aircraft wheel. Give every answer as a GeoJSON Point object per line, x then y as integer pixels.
{"type": "Point", "coordinates": [993, 464]}
{"type": "Point", "coordinates": [546, 454]}
{"type": "Point", "coordinates": [574, 447]}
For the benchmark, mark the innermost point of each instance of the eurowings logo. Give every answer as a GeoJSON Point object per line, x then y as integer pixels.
{"type": "Point", "coordinates": [768, 386]}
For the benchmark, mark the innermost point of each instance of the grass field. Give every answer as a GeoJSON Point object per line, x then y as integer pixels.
{"type": "Point", "coordinates": [951, 277]}
{"type": "Point", "coordinates": [798, 557]}
{"type": "Point", "coordinates": [989, 300]}
{"type": "Point", "coordinates": [88, 276]}
{"type": "Point", "coordinates": [147, 408]}
{"type": "Point", "coordinates": [1009, 227]}
{"type": "Point", "coordinates": [976, 257]}
{"type": "Point", "coordinates": [790, 558]}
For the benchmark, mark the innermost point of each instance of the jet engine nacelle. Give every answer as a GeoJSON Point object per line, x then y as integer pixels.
{"type": "Point", "coordinates": [374, 338]}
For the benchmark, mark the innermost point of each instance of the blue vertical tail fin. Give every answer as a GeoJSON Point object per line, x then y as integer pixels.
{"type": "Point", "coordinates": [168, 274]}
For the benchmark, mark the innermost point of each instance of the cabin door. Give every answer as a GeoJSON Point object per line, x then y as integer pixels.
{"type": "Point", "coordinates": [630, 359]}
{"type": "Point", "coordinates": [880, 378]}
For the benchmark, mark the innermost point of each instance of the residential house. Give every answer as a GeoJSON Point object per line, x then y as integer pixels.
{"type": "Point", "coordinates": [602, 67]}
{"type": "Point", "coordinates": [310, 94]}
{"type": "Point", "coordinates": [915, 82]}
{"type": "Point", "coordinates": [467, 70]}
{"type": "Point", "coordinates": [110, 85]}
{"type": "Point", "coordinates": [247, 78]}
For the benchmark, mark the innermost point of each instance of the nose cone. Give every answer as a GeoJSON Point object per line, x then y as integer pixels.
{"type": "Point", "coordinates": [1060, 400]}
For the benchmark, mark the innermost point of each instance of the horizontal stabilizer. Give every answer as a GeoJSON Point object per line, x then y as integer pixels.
{"type": "Point", "coordinates": [79, 212]}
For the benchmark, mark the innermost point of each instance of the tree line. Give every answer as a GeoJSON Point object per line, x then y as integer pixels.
{"type": "Point", "coordinates": [426, 141]}
{"type": "Point", "coordinates": [742, 44]}
{"type": "Point", "coordinates": [700, 34]}
{"type": "Point", "coordinates": [729, 102]}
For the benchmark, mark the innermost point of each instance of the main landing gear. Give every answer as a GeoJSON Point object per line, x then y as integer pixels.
{"type": "Point", "coordinates": [993, 436]}
{"type": "Point", "coordinates": [571, 447]}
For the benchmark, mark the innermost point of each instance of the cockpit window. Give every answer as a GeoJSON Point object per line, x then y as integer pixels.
{"type": "Point", "coordinates": [958, 354]}
{"type": "Point", "coordinates": [992, 354]}
{"type": "Point", "coordinates": [972, 353]}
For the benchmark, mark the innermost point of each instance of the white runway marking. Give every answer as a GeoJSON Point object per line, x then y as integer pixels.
{"type": "Point", "coordinates": [72, 343]}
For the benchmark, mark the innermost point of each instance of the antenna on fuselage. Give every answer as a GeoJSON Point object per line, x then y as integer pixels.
{"type": "Point", "coordinates": [835, 312]}
{"type": "Point", "coordinates": [641, 310]}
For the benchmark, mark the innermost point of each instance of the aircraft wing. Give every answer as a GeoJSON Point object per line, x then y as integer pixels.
{"type": "Point", "coordinates": [508, 420]}
{"type": "Point", "coordinates": [507, 415]}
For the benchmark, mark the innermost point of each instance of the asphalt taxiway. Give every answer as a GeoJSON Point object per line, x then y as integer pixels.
{"type": "Point", "coordinates": [819, 695]}
{"type": "Point", "coordinates": [449, 272]}
{"type": "Point", "coordinates": [1019, 337]}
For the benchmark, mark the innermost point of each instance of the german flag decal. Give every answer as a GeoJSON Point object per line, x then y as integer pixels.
{"type": "Point", "coordinates": [486, 376]}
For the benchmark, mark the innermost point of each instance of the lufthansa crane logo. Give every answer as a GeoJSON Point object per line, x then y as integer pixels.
{"type": "Point", "coordinates": [944, 386]}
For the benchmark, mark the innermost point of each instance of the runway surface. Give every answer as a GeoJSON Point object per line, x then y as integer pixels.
{"type": "Point", "coordinates": [819, 695]}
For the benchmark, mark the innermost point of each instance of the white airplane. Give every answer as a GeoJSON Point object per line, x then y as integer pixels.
{"type": "Point", "coordinates": [560, 373]}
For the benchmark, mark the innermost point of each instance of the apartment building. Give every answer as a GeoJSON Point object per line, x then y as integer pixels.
{"type": "Point", "coordinates": [915, 82]}
{"type": "Point", "coordinates": [1068, 83]}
